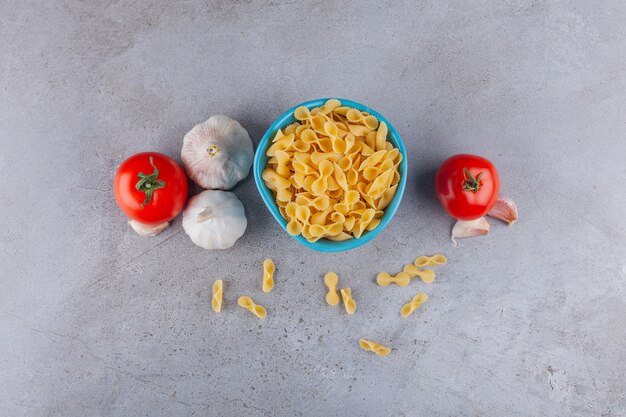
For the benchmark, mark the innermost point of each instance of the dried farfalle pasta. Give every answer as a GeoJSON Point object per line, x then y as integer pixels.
{"type": "Point", "coordinates": [401, 279]}
{"type": "Point", "coordinates": [374, 347]}
{"type": "Point", "coordinates": [422, 261]}
{"type": "Point", "coordinates": [331, 280]}
{"type": "Point", "coordinates": [411, 269]}
{"type": "Point", "coordinates": [218, 290]}
{"type": "Point", "coordinates": [348, 301]}
{"type": "Point", "coordinates": [333, 172]}
{"type": "Point", "coordinates": [268, 275]}
{"type": "Point", "coordinates": [426, 275]}
{"type": "Point", "coordinates": [419, 299]}
{"type": "Point", "coordinates": [247, 303]}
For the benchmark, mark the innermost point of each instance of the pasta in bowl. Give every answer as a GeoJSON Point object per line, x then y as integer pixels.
{"type": "Point", "coordinates": [332, 173]}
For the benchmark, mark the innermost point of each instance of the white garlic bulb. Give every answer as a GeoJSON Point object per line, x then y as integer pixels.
{"type": "Point", "coordinates": [218, 153]}
{"type": "Point", "coordinates": [214, 219]}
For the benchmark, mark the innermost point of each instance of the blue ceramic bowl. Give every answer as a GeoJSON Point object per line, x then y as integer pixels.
{"type": "Point", "coordinates": [325, 245]}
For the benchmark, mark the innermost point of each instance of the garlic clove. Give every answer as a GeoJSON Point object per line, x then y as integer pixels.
{"type": "Point", "coordinates": [217, 153]}
{"type": "Point", "coordinates": [470, 228]}
{"type": "Point", "coordinates": [148, 230]}
{"type": "Point", "coordinates": [504, 209]}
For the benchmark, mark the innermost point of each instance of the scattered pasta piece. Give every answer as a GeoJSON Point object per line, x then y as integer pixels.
{"type": "Point", "coordinates": [268, 275]}
{"type": "Point", "coordinates": [401, 279]}
{"type": "Point", "coordinates": [377, 348]}
{"type": "Point", "coordinates": [218, 290]}
{"type": "Point", "coordinates": [407, 309]}
{"type": "Point", "coordinates": [333, 172]}
{"type": "Point", "coordinates": [411, 269]}
{"type": "Point", "coordinates": [434, 260]}
{"type": "Point", "coordinates": [348, 301]}
{"type": "Point", "coordinates": [247, 303]}
{"type": "Point", "coordinates": [331, 280]}
{"type": "Point", "coordinates": [427, 275]}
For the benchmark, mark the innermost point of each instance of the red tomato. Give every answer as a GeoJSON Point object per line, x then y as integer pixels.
{"type": "Point", "coordinates": [150, 188]}
{"type": "Point", "coordinates": [467, 186]}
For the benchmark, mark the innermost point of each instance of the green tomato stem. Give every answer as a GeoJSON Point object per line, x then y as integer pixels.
{"type": "Point", "coordinates": [471, 183]}
{"type": "Point", "coordinates": [147, 184]}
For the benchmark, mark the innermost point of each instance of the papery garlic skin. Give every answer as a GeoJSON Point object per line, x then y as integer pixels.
{"type": "Point", "coordinates": [469, 228]}
{"type": "Point", "coordinates": [214, 219]}
{"type": "Point", "coordinates": [504, 209]}
{"type": "Point", "coordinates": [148, 230]}
{"type": "Point", "coordinates": [217, 153]}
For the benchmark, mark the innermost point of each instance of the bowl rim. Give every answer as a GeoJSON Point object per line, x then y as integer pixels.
{"type": "Point", "coordinates": [325, 245]}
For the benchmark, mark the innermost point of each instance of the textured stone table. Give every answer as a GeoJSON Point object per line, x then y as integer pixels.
{"type": "Point", "coordinates": [96, 321]}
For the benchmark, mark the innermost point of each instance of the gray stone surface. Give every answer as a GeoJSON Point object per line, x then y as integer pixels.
{"type": "Point", "coordinates": [96, 321]}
